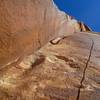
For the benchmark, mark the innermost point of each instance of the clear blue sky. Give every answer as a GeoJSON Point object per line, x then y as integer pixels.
{"type": "Point", "coordinates": [87, 11]}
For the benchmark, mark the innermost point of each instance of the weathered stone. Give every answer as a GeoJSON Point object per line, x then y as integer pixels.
{"type": "Point", "coordinates": [67, 68]}
{"type": "Point", "coordinates": [25, 26]}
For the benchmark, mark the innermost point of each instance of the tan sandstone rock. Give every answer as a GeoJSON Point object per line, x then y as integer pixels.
{"type": "Point", "coordinates": [26, 25]}
{"type": "Point", "coordinates": [66, 68]}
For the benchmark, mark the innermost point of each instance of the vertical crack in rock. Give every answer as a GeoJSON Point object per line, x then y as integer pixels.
{"type": "Point", "coordinates": [84, 72]}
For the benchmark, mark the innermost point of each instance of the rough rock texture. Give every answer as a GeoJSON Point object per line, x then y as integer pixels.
{"type": "Point", "coordinates": [66, 68]}
{"type": "Point", "coordinates": [69, 70]}
{"type": "Point", "coordinates": [26, 25]}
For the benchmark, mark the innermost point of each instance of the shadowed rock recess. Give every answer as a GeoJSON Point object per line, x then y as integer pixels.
{"type": "Point", "coordinates": [46, 54]}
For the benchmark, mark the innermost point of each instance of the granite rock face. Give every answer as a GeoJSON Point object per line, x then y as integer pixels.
{"type": "Point", "coordinates": [66, 68]}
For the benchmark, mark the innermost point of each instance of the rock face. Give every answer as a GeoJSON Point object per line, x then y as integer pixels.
{"type": "Point", "coordinates": [26, 25]}
{"type": "Point", "coordinates": [69, 70]}
{"type": "Point", "coordinates": [66, 68]}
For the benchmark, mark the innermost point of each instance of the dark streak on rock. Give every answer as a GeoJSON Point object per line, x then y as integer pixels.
{"type": "Point", "coordinates": [45, 11]}
{"type": "Point", "coordinates": [74, 65]}
{"type": "Point", "coordinates": [39, 42]}
{"type": "Point", "coordinates": [69, 61]}
{"type": "Point", "coordinates": [62, 58]}
{"type": "Point", "coordinates": [83, 27]}
{"type": "Point", "coordinates": [38, 61]}
{"type": "Point", "coordinates": [84, 72]}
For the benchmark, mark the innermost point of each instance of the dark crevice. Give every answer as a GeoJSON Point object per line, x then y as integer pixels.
{"type": "Point", "coordinates": [68, 61]}
{"type": "Point", "coordinates": [84, 27]}
{"type": "Point", "coordinates": [38, 61]}
{"type": "Point", "coordinates": [39, 42]}
{"type": "Point", "coordinates": [84, 72]}
{"type": "Point", "coordinates": [62, 58]}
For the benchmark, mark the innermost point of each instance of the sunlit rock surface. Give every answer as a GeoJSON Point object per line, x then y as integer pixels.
{"type": "Point", "coordinates": [26, 25]}
{"type": "Point", "coordinates": [66, 68]}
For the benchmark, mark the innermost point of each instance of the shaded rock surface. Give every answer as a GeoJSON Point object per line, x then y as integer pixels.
{"type": "Point", "coordinates": [66, 68]}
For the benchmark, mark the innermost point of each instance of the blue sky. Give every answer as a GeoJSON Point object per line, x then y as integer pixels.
{"type": "Point", "coordinates": [87, 11]}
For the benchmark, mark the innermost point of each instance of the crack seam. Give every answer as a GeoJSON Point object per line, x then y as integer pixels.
{"type": "Point", "coordinates": [84, 72]}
